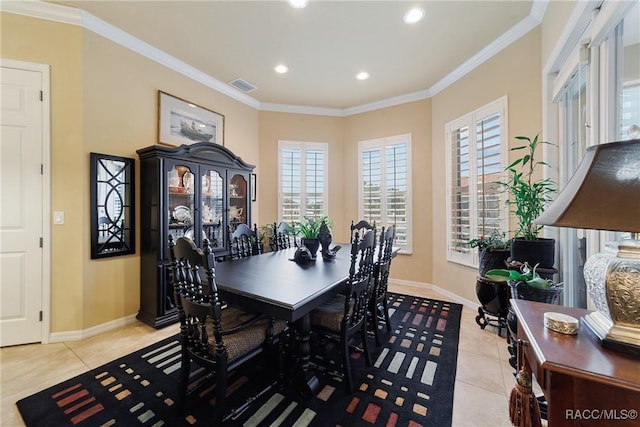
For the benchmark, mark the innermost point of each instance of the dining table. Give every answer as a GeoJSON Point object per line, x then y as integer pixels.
{"type": "Point", "coordinates": [273, 284]}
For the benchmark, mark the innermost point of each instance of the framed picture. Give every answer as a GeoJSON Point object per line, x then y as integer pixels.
{"type": "Point", "coordinates": [183, 122]}
{"type": "Point", "coordinates": [254, 189]}
{"type": "Point", "coordinates": [113, 228]}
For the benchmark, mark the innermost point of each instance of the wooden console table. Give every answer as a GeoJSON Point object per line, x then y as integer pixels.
{"type": "Point", "coordinates": [583, 383]}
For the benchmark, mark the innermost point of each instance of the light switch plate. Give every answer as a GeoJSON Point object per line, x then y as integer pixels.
{"type": "Point", "coordinates": [58, 218]}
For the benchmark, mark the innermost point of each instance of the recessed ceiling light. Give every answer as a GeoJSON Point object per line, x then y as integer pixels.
{"type": "Point", "coordinates": [414, 15]}
{"type": "Point", "coordinates": [281, 68]}
{"type": "Point", "coordinates": [362, 76]}
{"type": "Point", "coordinates": [298, 4]}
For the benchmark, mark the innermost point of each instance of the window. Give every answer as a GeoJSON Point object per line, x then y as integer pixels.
{"type": "Point", "coordinates": [302, 170]}
{"type": "Point", "coordinates": [384, 195]}
{"type": "Point", "coordinates": [476, 154]}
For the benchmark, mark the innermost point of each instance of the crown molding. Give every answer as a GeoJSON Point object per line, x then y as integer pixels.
{"type": "Point", "coordinates": [301, 109]}
{"type": "Point", "coordinates": [125, 39]}
{"type": "Point", "coordinates": [506, 39]}
{"type": "Point", "coordinates": [42, 10]}
{"type": "Point", "coordinates": [70, 15]}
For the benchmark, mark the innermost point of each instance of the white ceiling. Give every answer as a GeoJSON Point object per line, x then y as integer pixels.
{"type": "Point", "coordinates": [324, 45]}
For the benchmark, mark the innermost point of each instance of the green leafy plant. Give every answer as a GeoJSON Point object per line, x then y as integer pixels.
{"type": "Point", "coordinates": [528, 196]}
{"type": "Point", "coordinates": [496, 241]}
{"type": "Point", "coordinates": [310, 227]}
{"type": "Point", "coordinates": [528, 275]}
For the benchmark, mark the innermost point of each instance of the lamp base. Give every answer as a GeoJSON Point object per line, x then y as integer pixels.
{"type": "Point", "coordinates": [603, 331]}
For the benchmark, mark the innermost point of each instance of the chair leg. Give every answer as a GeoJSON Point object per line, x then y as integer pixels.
{"type": "Point", "coordinates": [183, 382]}
{"type": "Point", "coordinates": [221, 385]}
{"type": "Point", "coordinates": [385, 306]}
{"type": "Point", "coordinates": [374, 324]}
{"type": "Point", "coordinates": [346, 365]}
{"type": "Point", "coordinates": [365, 346]}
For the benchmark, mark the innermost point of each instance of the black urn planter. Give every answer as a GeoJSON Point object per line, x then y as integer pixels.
{"type": "Point", "coordinates": [494, 297]}
{"type": "Point", "coordinates": [539, 251]}
{"type": "Point", "coordinates": [313, 244]}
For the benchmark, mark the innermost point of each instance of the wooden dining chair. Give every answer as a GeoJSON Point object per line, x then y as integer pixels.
{"type": "Point", "coordinates": [379, 310]}
{"type": "Point", "coordinates": [217, 340]}
{"type": "Point", "coordinates": [282, 237]}
{"type": "Point", "coordinates": [346, 314]}
{"type": "Point", "coordinates": [243, 242]}
{"type": "Point", "coordinates": [361, 227]}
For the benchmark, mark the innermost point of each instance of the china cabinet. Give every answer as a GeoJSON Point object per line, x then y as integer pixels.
{"type": "Point", "coordinates": [199, 191]}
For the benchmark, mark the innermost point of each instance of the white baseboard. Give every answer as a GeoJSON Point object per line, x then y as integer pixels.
{"type": "Point", "coordinates": [92, 331]}
{"type": "Point", "coordinates": [453, 297]}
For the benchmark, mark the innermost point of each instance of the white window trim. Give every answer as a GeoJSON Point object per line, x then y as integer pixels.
{"type": "Point", "coordinates": [304, 145]}
{"type": "Point", "coordinates": [500, 105]}
{"type": "Point", "coordinates": [382, 143]}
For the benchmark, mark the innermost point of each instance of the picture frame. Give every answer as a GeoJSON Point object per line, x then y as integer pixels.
{"type": "Point", "coordinates": [112, 198]}
{"type": "Point", "coordinates": [254, 189]}
{"type": "Point", "coordinates": [181, 122]}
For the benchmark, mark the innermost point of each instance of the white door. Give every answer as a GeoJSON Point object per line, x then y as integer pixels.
{"type": "Point", "coordinates": [21, 207]}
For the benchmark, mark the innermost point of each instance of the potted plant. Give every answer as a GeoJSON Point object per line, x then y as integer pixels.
{"type": "Point", "coordinates": [493, 250]}
{"type": "Point", "coordinates": [527, 284]}
{"type": "Point", "coordinates": [308, 232]}
{"type": "Point", "coordinates": [528, 196]}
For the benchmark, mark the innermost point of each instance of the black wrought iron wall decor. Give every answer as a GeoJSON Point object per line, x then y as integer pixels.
{"type": "Point", "coordinates": [112, 206]}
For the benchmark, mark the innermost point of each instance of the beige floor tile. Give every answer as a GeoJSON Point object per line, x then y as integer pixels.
{"type": "Point", "coordinates": [476, 407]}
{"type": "Point", "coordinates": [481, 371]}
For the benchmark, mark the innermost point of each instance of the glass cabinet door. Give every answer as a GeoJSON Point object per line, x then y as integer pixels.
{"type": "Point", "coordinates": [181, 201]}
{"type": "Point", "coordinates": [212, 210]}
{"type": "Point", "coordinates": [238, 201]}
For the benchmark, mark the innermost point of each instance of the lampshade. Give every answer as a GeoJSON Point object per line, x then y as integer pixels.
{"type": "Point", "coordinates": [603, 193]}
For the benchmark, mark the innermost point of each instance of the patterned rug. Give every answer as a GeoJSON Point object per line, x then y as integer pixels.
{"type": "Point", "coordinates": [410, 384]}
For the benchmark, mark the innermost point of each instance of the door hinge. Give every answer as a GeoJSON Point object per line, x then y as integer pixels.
{"type": "Point", "coordinates": [41, 169]}
{"type": "Point", "coordinates": [40, 315]}
{"type": "Point", "coordinates": [41, 96]}
{"type": "Point", "coordinates": [41, 242]}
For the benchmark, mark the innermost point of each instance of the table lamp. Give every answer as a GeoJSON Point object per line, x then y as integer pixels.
{"type": "Point", "coordinates": [604, 194]}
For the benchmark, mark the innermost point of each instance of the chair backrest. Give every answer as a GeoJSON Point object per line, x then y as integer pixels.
{"type": "Point", "coordinates": [383, 263]}
{"type": "Point", "coordinates": [197, 299]}
{"type": "Point", "coordinates": [281, 237]}
{"type": "Point", "coordinates": [361, 227]}
{"type": "Point", "coordinates": [243, 242]}
{"type": "Point", "coordinates": [359, 283]}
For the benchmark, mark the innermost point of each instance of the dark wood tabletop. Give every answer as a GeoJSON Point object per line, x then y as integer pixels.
{"type": "Point", "coordinates": [577, 355]}
{"type": "Point", "coordinates": [273, 284]}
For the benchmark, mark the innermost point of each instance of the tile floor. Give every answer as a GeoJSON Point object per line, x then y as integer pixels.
{"type": "Point", "coordinates": [483, 382]}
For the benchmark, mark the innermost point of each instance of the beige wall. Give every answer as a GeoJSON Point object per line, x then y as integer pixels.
{"type": "Point", "coordinates": [514, 72]}
{"type": "Point", "coordinates": [298, 127]}
{"type": "Point", "coordinates": [553, 25]}
{"type": "Point", "coordinates": [413, 118]}
{"type": "Point", "coordinates": [60, 46]}
{"type": "Point", "coordinates": [104, 99]}
{"type": "Point", "coordinates": [342, 135]}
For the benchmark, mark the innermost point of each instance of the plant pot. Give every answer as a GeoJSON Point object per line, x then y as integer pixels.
{"type": "Point", "coordinates": [520, 290]}
{"type": "Point", "coordinates": [494, 296]}
{"type": "Point", "coordinates": [539, 251]}
{"type": "Point", "coordinates": [492, 259]}
{"type": "Point", "coordinates": [312, 245]}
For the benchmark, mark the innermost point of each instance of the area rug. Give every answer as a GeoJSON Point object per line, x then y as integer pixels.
{"type": "Point", "coordinates": [410, 384]}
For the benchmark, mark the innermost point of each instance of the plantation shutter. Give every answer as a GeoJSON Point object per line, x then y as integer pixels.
{"type": "Point", "coordinates": [489, 169]}
{"type": "Point", "coordinates": [460, 232]}
{"type": "Point", "coordinates": [303, 177]}
{"type": "Point", "coordinates": [385, 185]}
{"type": "Point", "coordinates": [396, 191]}
{"type": "Point", "coordinates": [476, 152]}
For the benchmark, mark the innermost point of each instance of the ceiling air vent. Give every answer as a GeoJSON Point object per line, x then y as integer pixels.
{"type": "Point", "coordinates": [243, 85]}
